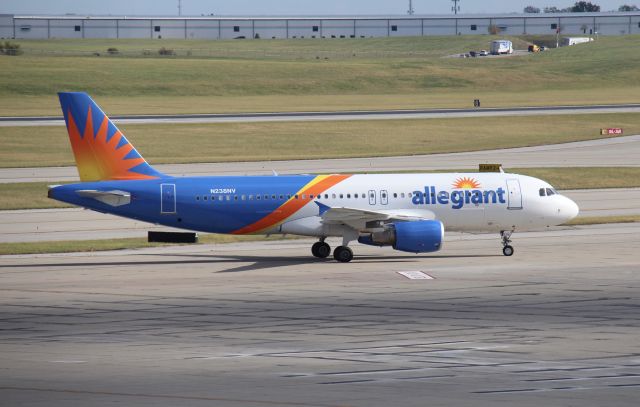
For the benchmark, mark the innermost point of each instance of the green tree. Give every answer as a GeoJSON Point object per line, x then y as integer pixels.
{"type": "Point", "coordinates": [626, 7]}
{"type": "Point", "coordinates": [531, 10]}
{"type": "Point", "coordinates": [585, 7]}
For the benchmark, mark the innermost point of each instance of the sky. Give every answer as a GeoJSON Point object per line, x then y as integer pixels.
{"type": "Point", "coordinates": [282, 7]}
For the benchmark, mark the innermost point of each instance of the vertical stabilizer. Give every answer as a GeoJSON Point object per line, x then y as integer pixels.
{"type": "Point", "coordinates": [102, 152]}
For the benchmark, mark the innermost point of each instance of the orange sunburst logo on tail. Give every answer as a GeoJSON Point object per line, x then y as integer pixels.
{"type": "Point", "coordinates": [466, 183]}
{"type": "Point", "coordinates": [98, 158]}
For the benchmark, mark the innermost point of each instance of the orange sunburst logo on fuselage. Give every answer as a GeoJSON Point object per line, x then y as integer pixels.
{"type": "Point", "coordinates": [101, 159]}
{"type": "Point", "coordinates": [466, 183]}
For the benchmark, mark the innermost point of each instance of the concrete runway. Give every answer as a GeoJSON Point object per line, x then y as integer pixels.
{"type": "Point", "coordinates": [341, 115]}
{"type": "Point", "coordinates": [608, 152]}
{"type": "Point", "coordinates": [263, 324]}
{"type": "Point", "coordinates": [80, 224]}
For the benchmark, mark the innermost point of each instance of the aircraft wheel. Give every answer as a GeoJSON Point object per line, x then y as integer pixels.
{"type": "Point", "coordinates": [507, 250]}
{"type": "Point", "coordinates": [343, 254]}
{"type": "Point", "coordinates": [320, 250]}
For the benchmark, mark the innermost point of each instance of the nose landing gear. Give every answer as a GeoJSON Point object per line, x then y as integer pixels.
{"type": "Point", "coordinates": [507, 249]}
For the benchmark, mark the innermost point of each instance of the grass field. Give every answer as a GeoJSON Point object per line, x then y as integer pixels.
{"type": "Point", "coordinates": [189, 143]}
{"type": "Point", "coordinates": [33, 195]}
{"type": "Point", "coordinates": [274, 75]}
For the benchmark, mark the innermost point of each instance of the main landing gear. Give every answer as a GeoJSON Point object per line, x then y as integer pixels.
{"type": "Point", "coordinates": [343, 254]}
{"type": "Point", "coordinates": [507, 249]}
{"type": "Point", "coordinates": [321, 249]}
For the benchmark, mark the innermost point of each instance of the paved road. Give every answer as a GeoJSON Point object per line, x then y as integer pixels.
{"type": "Point", "coordinates": [343, 115]}
{"type": "Point", "coordinates": [80, 224]}
{"type": "Point", "coordinates": [617, 151]}
{"type": "Point", "coordinates": [262, 324]}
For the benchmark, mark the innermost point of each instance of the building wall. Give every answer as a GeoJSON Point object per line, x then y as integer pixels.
{"type": "Point", "coordinates": [267, 28]}
{"type": "Point", "coordinates": [6, 26]}
{"type": "Point", "coordinates": [101, 29]}
{"type": "Point", "coordinates": [203, 29]}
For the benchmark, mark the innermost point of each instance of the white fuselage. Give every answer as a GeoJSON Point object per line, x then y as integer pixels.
{"type": "Point", "coordinates": [467, 202]}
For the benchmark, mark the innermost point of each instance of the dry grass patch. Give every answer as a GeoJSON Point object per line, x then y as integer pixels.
{"type": "Point", "coordinates": [223, 142]}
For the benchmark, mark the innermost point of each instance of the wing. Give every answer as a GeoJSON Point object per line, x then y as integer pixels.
{"type": "Point", "coordinates": [368, 220]}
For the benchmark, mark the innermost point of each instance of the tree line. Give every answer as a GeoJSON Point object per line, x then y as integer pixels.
{"type": "Point", "coordinates": [578, 7]}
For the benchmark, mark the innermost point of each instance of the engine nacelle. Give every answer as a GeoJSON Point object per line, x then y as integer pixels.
{"type": "Point", "coordinates": [422, 236]}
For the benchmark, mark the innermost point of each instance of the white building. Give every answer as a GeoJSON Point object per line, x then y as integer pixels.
{"type": "Point", "coordinates": [39, 27]}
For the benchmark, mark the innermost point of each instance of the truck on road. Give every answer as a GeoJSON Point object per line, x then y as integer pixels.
{"type": "Point", "coordinates": [499, 47]}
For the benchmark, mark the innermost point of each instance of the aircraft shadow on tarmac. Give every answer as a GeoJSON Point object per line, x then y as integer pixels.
{"type": "Point", "coordinates": [256, 262]}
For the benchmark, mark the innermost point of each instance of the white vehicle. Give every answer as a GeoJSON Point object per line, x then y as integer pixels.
{"type": "Point", "coordinates": [575, 40]}
{"type": "Point", "coordinates": [484, 53]}
{"type": "Point", "coordinates": [499, 47]}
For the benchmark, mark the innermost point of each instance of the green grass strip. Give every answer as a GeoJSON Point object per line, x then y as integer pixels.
{"type": "Point", "coordinates": [71, 246]}
{"type": "Point", "coordinates": [599, 220]}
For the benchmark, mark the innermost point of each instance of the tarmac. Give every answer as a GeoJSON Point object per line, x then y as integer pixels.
{"type": "Point", "coordinates": [337, 115]}
{"type": "Point", "coordinates": [620, 151]}
{"type": "Point", "coordinates": [265, 324]}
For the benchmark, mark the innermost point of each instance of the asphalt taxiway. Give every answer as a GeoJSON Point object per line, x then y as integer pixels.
{"type": "Point", "coordinates": [264, 324]}
{"type": "Point", "coordinates": [337, 115]}
{"type": "Point", "coordinates": [608, 152]}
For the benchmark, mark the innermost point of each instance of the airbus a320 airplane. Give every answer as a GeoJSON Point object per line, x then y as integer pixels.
{"type": "Point", "coordinates": [408, 212]}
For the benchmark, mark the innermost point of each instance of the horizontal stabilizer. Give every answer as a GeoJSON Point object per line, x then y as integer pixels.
{"type": "Point", "coordinates": [111, 198]}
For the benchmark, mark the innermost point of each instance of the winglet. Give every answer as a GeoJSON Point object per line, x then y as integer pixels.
{"type": "Point", "coordinates": [322, 207]}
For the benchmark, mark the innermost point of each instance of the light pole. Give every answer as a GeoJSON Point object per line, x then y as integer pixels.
{"type": "Point", "coordinates": [179, 7]}
{"type": "Point", "coordinates": [455, 7]}
{"type": "Point", "coordinates": [411, 10]}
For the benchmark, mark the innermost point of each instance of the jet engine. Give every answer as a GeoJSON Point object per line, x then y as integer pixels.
{"type": "Point", "coordinates": [422, 236]}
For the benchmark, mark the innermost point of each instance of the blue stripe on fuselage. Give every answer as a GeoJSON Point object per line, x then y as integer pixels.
{"type": "Point", "coordinates": [218, 216]}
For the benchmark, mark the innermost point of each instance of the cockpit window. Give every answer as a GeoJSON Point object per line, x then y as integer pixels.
{"type": "Point", "coordinates": [543, 192]}
{"type": "Point", "coordinates": [550, 192]}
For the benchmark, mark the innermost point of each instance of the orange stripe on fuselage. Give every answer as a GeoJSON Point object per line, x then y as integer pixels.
{"type": "Point", "coordinates": [317, 186]}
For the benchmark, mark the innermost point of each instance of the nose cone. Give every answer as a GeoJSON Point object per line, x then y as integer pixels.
{"type": "Point", "coordinates": [567, 209]}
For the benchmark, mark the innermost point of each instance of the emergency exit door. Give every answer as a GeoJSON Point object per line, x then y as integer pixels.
{"type": "Point", "coordinates": [168, 198]}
